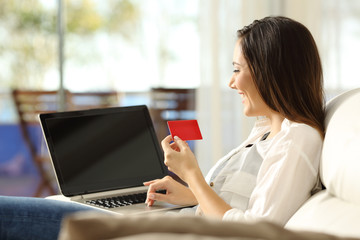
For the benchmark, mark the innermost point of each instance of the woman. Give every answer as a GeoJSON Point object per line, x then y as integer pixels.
{"type": "Point", "coordinates": [278, 74]}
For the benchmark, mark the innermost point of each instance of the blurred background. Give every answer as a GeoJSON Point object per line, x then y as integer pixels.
{"type": "Point", "coordinates": [173, 55]}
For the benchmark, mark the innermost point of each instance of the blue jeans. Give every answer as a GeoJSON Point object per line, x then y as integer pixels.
{"type": "Point", "coordinates": [33, 218]}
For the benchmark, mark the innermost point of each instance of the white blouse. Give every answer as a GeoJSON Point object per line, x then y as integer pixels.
{"type": "Point", "coordinates": [269, 179]}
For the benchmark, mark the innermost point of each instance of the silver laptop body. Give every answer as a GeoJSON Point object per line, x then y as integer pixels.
{"type": "Point", "coordinates": [105, 154]}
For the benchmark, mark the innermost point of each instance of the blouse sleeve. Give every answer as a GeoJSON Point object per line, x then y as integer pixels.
{"type": "Point", "coordinates": [286, 177]}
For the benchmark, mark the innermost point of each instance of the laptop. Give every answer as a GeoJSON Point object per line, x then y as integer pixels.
{"type": "Point", "coordinates": [101, 157]}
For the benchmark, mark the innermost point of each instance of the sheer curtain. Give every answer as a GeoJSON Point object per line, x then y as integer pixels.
{"type": "Point", "coordinates": [340, 45]}
{"type": "Point", "coordinates": [219, 108]}
{"type": "Point", "coordinates": [335, 25]}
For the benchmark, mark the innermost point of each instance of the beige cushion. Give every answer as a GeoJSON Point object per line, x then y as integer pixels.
{"type": "Point", "coordinates": [91, 226]}
{"type": "Point", "coordinates": [328, 214]}
{"type": "Point", "coordinates": [340, 163]}
{"type": "Point", "coordinates": [336, 210]}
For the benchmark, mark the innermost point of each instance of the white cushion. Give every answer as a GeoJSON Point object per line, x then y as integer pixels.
{"type": "Point", "coordinates": [340, 164]}
{"type": "Point", "coordinates": [336, 210]}
{"type": "Point", "coordinates": [327, 214]}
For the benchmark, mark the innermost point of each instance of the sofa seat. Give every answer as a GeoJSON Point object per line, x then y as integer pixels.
{"type": "Point", "coordinates": [328, 214]}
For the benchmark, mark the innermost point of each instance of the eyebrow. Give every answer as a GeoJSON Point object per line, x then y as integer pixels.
{"type": "Point", "coordinates": [241, 65]}
{"type": "Point", "coordinates": [235, 63]}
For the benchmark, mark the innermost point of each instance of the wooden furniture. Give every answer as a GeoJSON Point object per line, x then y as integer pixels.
{"type": "Point", "coordinates": [87, 100]}
{"type": "Point", "coordinates": [29, 104]}
{"type": "Point", "coordinates": [171, 104]}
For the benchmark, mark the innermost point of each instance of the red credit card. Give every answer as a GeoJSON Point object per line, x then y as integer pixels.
{"type": "Point", "coordinates": [185, 129]}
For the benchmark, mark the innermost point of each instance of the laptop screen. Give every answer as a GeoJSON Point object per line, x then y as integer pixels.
{"type": "Point", "coordinates": [103, 149]}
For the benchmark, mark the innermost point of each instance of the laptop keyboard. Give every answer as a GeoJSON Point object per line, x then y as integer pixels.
{"type": "Point", "coordinates": [120, 201]}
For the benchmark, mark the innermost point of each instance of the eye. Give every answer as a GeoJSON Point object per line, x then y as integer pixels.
{"type": "Point", "coordinates": [236, 71]}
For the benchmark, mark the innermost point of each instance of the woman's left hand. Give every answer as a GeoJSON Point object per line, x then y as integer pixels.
{"type": "Point", "coordinates": [179, 158]}
{"type": "Point", "coordinates": [176, 193]}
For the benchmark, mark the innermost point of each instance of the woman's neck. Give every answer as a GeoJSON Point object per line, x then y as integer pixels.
{"type": "Point", "coordinates": [276, 120]}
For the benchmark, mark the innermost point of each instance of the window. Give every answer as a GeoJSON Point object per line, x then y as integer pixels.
{"type": "Point", "coordinates": [129, 46]}
{"type": "Point", "coordinates": [341, 37]}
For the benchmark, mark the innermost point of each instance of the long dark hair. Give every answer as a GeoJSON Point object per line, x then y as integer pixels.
{"type": "Point", "coordinates": [286, 67]}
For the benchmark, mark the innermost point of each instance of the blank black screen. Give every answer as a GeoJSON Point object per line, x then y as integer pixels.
{"type": "Point", "coordinates": [100, 150]}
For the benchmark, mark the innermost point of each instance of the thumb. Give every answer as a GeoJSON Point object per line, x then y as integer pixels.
{"type": "Point", "coordinates": [180, 142]}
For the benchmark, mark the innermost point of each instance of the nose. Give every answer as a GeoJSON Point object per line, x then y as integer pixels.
{"type": "Point", "coordinates": [232, 82]}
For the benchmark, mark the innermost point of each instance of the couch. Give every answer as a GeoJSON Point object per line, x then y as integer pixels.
{"type": "Point", "coordinates": [333, 213]}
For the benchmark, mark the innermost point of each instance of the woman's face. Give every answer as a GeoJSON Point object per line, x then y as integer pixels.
{"type": "Point", "coordinates": [242, 81]}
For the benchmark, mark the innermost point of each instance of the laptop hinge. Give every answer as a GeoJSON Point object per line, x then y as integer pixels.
{"type": "Point", "coordinates": [76, 198]}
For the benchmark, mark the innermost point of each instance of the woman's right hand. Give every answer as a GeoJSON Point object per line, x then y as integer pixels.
{"type": "Point", "coordinates": [176, 193]}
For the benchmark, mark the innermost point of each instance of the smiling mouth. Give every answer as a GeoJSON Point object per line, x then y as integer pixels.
{"type": "Point", "coordinates": [242, 96]}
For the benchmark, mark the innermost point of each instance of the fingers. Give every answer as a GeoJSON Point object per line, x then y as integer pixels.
{"type": "Point", "coordinates": [149, 198]}
{"type": "Point", "coordinates": [156, 197]}
{"type": "Point", "coordinates": [165, 143]}
{"type": "Point", "coordinates": [154, 185]}
{"type": "Point", "coordinates": [176, 145]}
{"type": "Point", "coordinates": [177, 155]}
{"type": "Point", "coordinates": [150, 182]}
{"type": "Point", "coordinates": [160, 184]}
{"type": "Point", "coordinates": [182, 144]}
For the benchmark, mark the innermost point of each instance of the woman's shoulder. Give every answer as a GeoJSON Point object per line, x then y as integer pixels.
{"type": "Point", "coordinates": [300, 131]}
{"type": "Point", "coordinates": [297, 137]}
